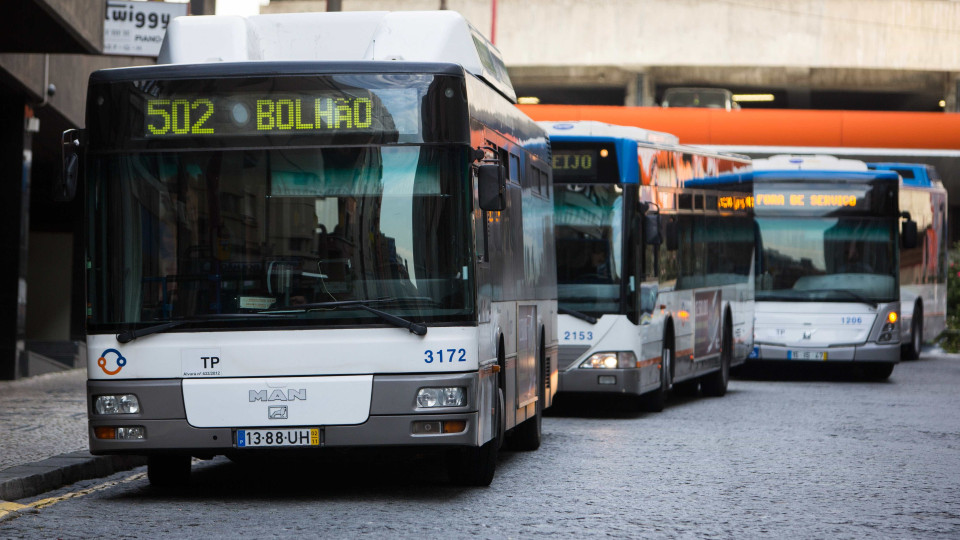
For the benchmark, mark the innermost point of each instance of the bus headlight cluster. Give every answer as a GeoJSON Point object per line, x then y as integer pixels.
{"type": "Point", "coordinates": [610, 360]}
{"type": "Point", "coordinates": [886, 333]}
{"type": "Point", "coordinates": [453, 396]}
{"type": "Point", "coordinates": [117, 404]}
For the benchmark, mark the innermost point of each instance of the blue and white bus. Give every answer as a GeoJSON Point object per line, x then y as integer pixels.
{"type": "Point", "coordinates": [655, 246]}
{"type": "Point", "coordinates": [841, 262]}
{"type": "Point", "coordinates": [310, 243]}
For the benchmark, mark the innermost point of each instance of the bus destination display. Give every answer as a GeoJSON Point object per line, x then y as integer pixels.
{"type": "Point", "coordinates": [801, 200]}
{"type": "Point", "coordinates": [580, 164]}
{"type": "Point", "coordinates": [323, 112]}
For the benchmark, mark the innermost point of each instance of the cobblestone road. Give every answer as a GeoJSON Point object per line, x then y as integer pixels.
{"type": "Point", "coordinates": [805, 457]}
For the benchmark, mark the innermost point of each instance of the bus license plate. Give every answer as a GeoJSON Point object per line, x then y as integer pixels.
{"type": "Point", "coordinates": [806, 355]}
{"type": "Point", "coordinates": [247, 438]}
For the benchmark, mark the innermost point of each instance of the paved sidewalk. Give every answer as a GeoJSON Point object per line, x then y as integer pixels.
{"type": "Point", "coordinates": [43, 436]}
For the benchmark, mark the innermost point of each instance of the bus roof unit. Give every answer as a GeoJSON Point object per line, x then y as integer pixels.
{"type": "Point", "coordinates": [579, 128]}
{"type": "Point", "coordinates": [913, 174]}
{"type": "Point", "coordinates": [818, 162]}
{"type": "Point", "coordinates": [408, 36]}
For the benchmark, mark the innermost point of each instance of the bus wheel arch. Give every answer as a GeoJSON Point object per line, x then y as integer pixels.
{"type": "Point", "coordinates": [715, 384]}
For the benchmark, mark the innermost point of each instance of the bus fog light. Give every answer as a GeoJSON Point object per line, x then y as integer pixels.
{"type": "Point", "coordinates": [453, 396]}
{"type": "Point", "coordinates": [607, 379]}
{"type": "Point", "coordinates": [888, 327]}
{"type": "Point", "coordinates": [885, 337]}
{"type": "Point", "coordinates": [131, 432]}
{"type": "Point", "coordinates": [119, 404]}
{"type": "Point", "coordinates": [427, 428]}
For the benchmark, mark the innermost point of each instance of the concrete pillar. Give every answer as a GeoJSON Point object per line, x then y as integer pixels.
{"type": "Point", "coordinates": [15, 162]}
{"type": "Point", "coordinates": [952, 94]}
{"type": "Point", "coordinates": [640, 91]}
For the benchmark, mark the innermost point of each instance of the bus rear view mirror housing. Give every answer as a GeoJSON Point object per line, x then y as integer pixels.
{"type": "Point", "coordinates": [671, 234]}
{"type": "Point", "coordinates": [908, 232]}
{"type": "Point", "coordinates": [651, 225]}
{"type": "Point", "coordinates": [65, 187]}
{"type": "Point", "coordinates": [491, 187]}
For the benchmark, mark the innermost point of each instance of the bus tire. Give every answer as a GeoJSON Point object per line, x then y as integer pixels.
{"type": "Point", "coordinates": [166, 471]}
{"type": "Point", "coordinates": [879, 371]}
{"type": "Point", "coordinates": [475, 466]}
{"type": "Point", "coordinates": [715, 384]}
{"type": "Point", "coordinates": [911, 350]}
{"type": "Point", "coordinates": [527, 436]}
{"type": "Point", "coordinates": [656, 401]}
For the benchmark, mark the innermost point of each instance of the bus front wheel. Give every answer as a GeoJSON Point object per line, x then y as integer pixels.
{"type": "Point", "coordinates": [475, 466]}
{"type": "Point", "coordinates": [168, 470]}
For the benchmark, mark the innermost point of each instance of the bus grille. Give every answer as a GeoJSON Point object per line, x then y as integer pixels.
{"type": "Point", "coordinates": [569, 354]}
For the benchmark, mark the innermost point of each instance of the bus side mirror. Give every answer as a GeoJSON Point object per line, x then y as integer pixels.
{"type": "Point", "coordinates": [65, 187]}
{"type": "Point", "coordinates": [651, 226]}
{"type": "Point", "coordinates": [671, 234]}
{"type": "Point", "coordinates": [908, 234]}
{"type": "Point", "coordinates": [492, 187]}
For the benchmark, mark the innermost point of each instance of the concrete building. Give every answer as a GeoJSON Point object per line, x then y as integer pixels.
{"type": "Point", "coordinates": [48, 48]}
{"type": "Point", "coordinates": [839, 54]}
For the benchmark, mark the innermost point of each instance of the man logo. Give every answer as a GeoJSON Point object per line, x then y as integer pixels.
{"type": "Point", "coordinates": [278, 412]}
{"type": "Point", "coordinates": [278, 395]}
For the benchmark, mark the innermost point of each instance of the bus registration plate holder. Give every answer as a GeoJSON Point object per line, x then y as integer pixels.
{"type": "Point", "coordinates": [806, 355]}
{"type": "Point", "coordinates": [273, 438]}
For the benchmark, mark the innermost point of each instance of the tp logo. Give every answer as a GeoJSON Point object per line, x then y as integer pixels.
{"type": "Point", "coordinates": [102, 361]}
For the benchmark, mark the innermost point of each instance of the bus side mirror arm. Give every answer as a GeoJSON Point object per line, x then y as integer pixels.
{"type": "Point", "coordinates": [71, 144]}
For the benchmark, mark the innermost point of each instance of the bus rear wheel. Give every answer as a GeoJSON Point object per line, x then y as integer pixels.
{"type": "Point", "coordinates": [167, 471]}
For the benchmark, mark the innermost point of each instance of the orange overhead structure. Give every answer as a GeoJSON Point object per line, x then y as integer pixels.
{"type": "Point", "coordinates": [775, 127]}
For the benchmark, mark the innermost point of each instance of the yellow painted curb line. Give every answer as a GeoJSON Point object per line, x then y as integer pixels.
{"type": "Point", "coordinates": [10, 510]}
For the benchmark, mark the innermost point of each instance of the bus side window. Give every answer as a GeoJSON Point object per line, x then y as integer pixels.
{"type": "Point", "coordinates": [514, 170]}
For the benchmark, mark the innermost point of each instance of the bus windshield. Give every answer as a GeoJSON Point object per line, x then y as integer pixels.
{"type": "Point", "coordinates": [589, 236]}
{"type": "Point", "coordinates": [834, 259]}
{"type": "Point", "coordinates": [193, 234]}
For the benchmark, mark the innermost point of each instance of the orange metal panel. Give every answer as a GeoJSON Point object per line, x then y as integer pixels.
{"type": "Point", "coordinates": [775, 127]}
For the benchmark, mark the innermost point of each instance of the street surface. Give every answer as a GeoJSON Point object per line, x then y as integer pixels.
{"type": "Point", "coordinates": [795, 456]}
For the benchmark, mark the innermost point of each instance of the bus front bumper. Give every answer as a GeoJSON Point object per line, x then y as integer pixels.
{"type": "Point", "coordinates": [394, 419]}
{"type": "Point", "coordinates": [867, 352]}
{"type": "Point", "coordinates": [608, 381]}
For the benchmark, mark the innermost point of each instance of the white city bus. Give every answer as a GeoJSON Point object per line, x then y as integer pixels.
{"type": "Point", "coordinates": [839, 256]}
{"type": "Point", "coordinates": [315, 231]}
{"type": "Point", "coordinates": [655, 245]}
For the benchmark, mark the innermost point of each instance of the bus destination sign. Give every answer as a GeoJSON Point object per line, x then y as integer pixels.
{"type": "Point", "coordinates": [814, 201]}
{"type": "Point", "coordinates": [329, 112]}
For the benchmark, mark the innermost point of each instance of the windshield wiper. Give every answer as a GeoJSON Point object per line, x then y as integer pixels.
{"type": "Point", "coordinates": [130, 335]}
{"type": "Point", "coordinates": [416, 328]}
{"type": "Point", "coordinates": [574, 313]}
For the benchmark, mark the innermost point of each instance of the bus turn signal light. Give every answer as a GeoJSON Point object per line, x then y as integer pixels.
{"type": "Point", "coordinates": [892, 316]}
{"type": "Point", "coordinates": [105, 432]}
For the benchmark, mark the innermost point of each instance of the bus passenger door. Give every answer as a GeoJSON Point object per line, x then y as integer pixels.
{"type": "Point", "coordinates": [526, 366]}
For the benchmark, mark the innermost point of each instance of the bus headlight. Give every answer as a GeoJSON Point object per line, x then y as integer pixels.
{"type": "Point", "coordinates": [610, 360]}
{"type": "Point", "coordinates": [117, 404]}
{"type": "Point", "coordinates": [441, 397]}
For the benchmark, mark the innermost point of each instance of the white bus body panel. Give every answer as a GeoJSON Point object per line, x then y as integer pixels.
{"type": "Point", "coordinates": [281, 353]}
{"type": "Point", "coordinates": [812, 324]}
{"type": "Point", "coordinates": [306, 401]}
